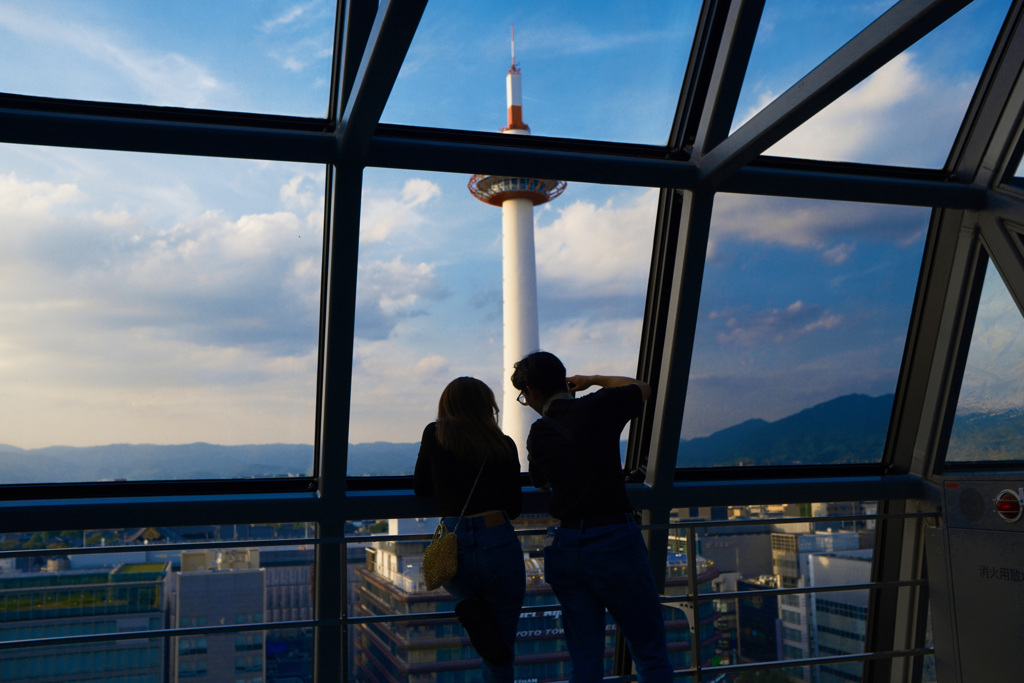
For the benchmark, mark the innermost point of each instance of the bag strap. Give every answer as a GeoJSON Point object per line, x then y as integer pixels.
{"type": "Point", "coordinates": [461, 514]}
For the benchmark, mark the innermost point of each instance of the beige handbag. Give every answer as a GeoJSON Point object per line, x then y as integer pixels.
{"type": "Point", "coordinates": [441, 556]}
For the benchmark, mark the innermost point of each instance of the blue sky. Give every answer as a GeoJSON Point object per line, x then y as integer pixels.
{"type": "Point", "coordinates": [171, 300]}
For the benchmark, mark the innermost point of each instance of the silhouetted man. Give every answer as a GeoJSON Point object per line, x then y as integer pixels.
{"type": "Point", "coordinates": [597, 559]}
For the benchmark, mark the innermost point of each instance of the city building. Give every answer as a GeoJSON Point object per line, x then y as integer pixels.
{"type": "Point", "coordinates": [435, 647]}
{"type": "Point", "coordinates": [839, 619]}
{"type": "Point", "coordinates": [218, 588]}
{"type": "Point", "coordinates": [757, 616]}
{"type": "Point", "coordinates": [69, 602]}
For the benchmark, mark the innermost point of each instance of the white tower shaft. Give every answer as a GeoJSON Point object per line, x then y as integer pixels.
{"type": "Point", "coordinates": [519, 313]}
{"type": "Point", "coordinates": [516, 196]}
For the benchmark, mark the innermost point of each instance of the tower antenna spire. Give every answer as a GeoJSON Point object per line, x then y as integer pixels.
{"type": "Point", "coordinates": [513, 69]}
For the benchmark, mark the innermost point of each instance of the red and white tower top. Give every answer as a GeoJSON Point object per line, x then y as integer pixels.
{"type": "Point", "coordinates": [514, 96]}
{"type": "Point", "coordinates": [494, 190]}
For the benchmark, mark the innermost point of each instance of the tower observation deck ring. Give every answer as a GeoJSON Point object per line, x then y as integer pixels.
{"type": "Point", "coordinates": [495, 189]}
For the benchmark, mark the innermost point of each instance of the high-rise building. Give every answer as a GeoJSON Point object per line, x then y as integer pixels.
{"type": "Point", "coordinates": [435, 647]}
{"type": "Point", "coordinates": [839, 618]}
{"type": "Point", "coordinates": [219, 588]}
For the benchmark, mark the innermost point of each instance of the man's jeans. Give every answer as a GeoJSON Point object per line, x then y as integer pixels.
{"type": "Point", "coordinates": [607, 567]}
{"type": "Point", "coordinates": [491, 569]}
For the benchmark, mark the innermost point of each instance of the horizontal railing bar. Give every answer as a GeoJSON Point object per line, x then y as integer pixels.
{"type": "Point", "coordinates": [184, 632]}
{"type": "Point", "coordinates": [348, 540]}
{"type": "Point", "coordinates": [754, 521]}
{"type": "Point", "coordinates": [812, 661]}
{"type": "Point", "coordinates": [839, 588]}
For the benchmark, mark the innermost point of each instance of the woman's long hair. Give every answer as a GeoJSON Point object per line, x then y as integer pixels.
{"type": "Point", "coordinates": [467, 421]}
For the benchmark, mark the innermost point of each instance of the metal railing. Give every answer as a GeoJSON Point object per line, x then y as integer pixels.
{"type": "Point", "coordinates": [689, 602]}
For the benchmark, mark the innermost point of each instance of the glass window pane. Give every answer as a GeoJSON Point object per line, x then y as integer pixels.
{"type": "Point", "coordinates": [988, 425]}
{"type": "Point", "coordinates": [745, 551]}
{"type": "Point", "coordinates": [612, 72]}
{"type": "Point", "coordinates": [139, 582]}
{"type": "Point", "coordinates": [803, 314]}
{"type": "Point", "coordinates": [159, 300]}
{"type": "Point", "coordinates": [264, 57]}
{"type": "Point", "coordinates": [785, 50]}
{"type": "Point", "coordinates": [429, 299]}
{"type": "Point", "coordinates": [907, 113]}
{"type": "Point", "coordinates": [385, 579]}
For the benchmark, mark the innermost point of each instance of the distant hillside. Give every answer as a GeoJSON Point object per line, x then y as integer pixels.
{"type": "Point", "coordinates": [382, 459]}
{"type": "Point", "coordinates": [848, 429]}
{"type": "Point", "coordinates": [982, 436]}
{"type": "Point", "coordinates": [149, 462]}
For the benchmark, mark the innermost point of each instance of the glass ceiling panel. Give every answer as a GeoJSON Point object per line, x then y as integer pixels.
{"type": "Point", "coordinates": [794, 37]}
{"type": "Point", "coordinates": [909, 112]}
{"type": "Point", "coordinates": [612, 72]}
{"type": "Point", "coordinates": [159, 316]}
{"type": "Point", "coordinates": [989, 422]}
{"type": "Point", "coordinates": [271, 57]}
{"type": "Point", "coordinates": [429, 298]}
{"type": "Point", "coordinates": [803, 315]}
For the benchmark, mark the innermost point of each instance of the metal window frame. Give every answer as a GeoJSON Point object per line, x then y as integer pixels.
{"type": "Point", "coordinates": [975, 200]}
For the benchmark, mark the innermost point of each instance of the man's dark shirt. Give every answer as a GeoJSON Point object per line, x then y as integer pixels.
{"type": "Point", "coordinates": [579, 459]}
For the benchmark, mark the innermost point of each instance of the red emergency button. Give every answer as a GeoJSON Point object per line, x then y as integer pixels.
{"type": "Point", "coordinates": [1008, 505]}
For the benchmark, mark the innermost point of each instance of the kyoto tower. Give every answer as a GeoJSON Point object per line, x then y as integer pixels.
{"type": "Point", "coordinates": [516, 196]}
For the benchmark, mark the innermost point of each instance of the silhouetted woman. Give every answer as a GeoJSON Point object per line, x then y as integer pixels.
{"type": "Point", "coordinates": [463, 444]}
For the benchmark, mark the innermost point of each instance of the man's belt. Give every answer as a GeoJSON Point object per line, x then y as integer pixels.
{"type": "Point", "coordinates": [592, 522]}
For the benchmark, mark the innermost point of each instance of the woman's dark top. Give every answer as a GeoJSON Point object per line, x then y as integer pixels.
{"type": "Point", "coordinates": [449, 478]}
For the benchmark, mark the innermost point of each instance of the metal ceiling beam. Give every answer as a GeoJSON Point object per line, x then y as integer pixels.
{"type": "Point", "coordinates": [483, 157]}
{"type": "Point", "coordinates": [952, 267]}
{"type": "Point", "coordinates": [155, 130]}
{"type": "Point", "coordinates": [1004, 250]}
{"type": "Point", "coordinates": [892, 33]}
{"type": "Point", "coordinates": [729, 68]}
{"type": "Point", "coordinates": [855, 185]}
{"type": "Point", "coordinates": [985, 144]}
{"type": "Point", "coordinates": [388, 42]}
{"type": "Point", "coordinates": [629, 166]}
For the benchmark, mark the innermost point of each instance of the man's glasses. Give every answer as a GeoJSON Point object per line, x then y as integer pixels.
{"type": "Point", "coordinates": [521, 398]}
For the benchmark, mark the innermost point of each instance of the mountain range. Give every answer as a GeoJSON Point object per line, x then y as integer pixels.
{"type": "Point", "coordinates": [847, 429]}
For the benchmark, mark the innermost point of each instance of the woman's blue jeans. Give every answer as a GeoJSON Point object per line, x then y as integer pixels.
{"type": "Point", "coordinates": [491, 569]}
{"type": "Point", "coordinates": [600, 568]}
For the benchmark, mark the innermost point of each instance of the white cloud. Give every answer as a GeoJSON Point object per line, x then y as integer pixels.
{"type": "Point", "coordinates": [165, 78]}
{"type": "Point", "coordinates": [773, 325]}
{"type": "Point", "coordinates": [188, 332]}
{"type": "Point", "coordinates": [27, 203]}
{"type": "Point", "coordinates": [838, 254]}
{"type": "Point", "coordinates": [384, 217]}
{"type": "Point", "coordinates": [832, 228]}
{"type": "Point", "coordinates": [591, 250]}
{"type": "Point", "coordinates": [395, 389]}
{"type": "Point", "coordinates": [899, 115]}
{"type": "Point", "coordinates": [304, 192]}
{"type": "Point", "coordinates": [289, 16]}
{"type": "Point", "coordinates": [607, 347]}
{"type": "Point", "coordinates": [389, 291]}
